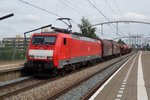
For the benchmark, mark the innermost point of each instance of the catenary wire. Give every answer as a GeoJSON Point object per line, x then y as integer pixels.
{"type": "Point", "coordinates": [52, 13]}
{"type": "Point", "coordinates": [102, 14]}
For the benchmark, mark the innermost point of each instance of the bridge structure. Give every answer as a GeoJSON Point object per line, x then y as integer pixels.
{"type": "Point", "coordinates": [117, 24]}
{"type": "Point", "coordinates": [133, 38]}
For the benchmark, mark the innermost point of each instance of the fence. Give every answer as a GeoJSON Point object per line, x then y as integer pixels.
{"type": "Point", "coordinates": [12, 53]}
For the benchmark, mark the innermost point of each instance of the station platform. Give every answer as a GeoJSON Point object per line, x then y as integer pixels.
{"type": "Point", "coordinates": [8, 66]}
{"type": "Point", "coordinates": [130, 82]}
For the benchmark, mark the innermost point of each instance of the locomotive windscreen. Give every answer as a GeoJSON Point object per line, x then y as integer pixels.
{"type": "Point", "coordinates": [43, 40]}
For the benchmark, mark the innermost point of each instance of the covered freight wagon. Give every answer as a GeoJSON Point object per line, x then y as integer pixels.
{"type": "Point", "coordinates": [106, 48]}
{"type": "Point", "coordinates": [116, 48]}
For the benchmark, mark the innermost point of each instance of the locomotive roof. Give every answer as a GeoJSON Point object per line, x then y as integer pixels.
{"type": "Point", "coordinates": [74, 36]}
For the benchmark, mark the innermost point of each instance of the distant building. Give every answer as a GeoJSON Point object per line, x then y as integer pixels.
{"type": "Point", "coordinates": [1, 44]}
{"type": "Point", "coordinates": [18, 42]}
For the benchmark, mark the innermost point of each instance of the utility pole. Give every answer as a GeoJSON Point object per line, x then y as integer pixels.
{"type": "Point", "coordinates": [15, 45]}
{"type": "Point", "coordinates": [101, 29]}
{"type": "Point", "coordinates": [117, 28]}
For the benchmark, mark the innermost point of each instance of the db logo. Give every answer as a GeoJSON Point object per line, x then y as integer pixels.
{"type": "Point", "coordinates": [41, 48]}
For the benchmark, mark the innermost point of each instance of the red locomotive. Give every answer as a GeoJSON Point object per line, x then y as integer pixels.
{"type": "Point", "coordinates": [52, 51]}
{"type": "Point", "coordinates": [62, 50]}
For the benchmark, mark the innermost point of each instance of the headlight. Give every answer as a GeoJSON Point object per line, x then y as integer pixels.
{"type": "Point", "coordinates": [49, 57]}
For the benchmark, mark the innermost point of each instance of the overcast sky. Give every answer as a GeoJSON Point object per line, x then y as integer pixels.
{"type": "Point", "coordinates": [27, 17]}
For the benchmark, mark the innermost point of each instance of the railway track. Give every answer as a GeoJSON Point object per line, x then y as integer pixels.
{"type": "Point", "coordinates": [5, 83]}
{"type": "Point", "coordinates": [98, 85]}
{"type": "Point", "coordinates": [50, 88]}
{"type": "Point", "coordinates": [85, 88]}
{"type": "Point", "coordinates": [23, 85]}
{"type": "Point", "coordinates": [17, 87]}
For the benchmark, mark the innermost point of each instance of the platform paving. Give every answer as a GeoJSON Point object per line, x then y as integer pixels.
{"type": "Point", "coordinates": [4, 66]}
{"type": "Point", "coordinates": [146, 71]}
{"type": "Point", "coordinates": [126, 84]}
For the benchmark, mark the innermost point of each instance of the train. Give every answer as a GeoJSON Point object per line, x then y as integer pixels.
{"type": "Point", "coordinates": [60, 51]}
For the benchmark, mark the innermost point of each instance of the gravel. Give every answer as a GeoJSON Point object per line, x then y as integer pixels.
{"type": "Point", "coordinates": [54, 87]}
{"type": "Point", "coordinates": [17, 86]}
{"type": "Point", "coordinates": [78, 92]}
{"type": "Point", "coordinates": [13, 81]}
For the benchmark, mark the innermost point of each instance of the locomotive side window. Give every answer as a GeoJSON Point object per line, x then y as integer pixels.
{"type": "Point", "coordinates": [65, 41]}
{"type": "Point", "coordinates": [49, 40]}
{"type": "Point", "coordinates": [38, 40]}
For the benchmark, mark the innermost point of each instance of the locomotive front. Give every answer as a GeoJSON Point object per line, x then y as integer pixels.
{"type": "Point", "coordinates": [40, 53]}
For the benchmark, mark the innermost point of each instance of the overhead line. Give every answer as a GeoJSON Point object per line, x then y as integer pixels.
{"type": "Point", "coordinates": [118, 8]}
{"type": "Point", "coordinates": [102, 14]}
{"type": "Point", "coordinates": [52, 13]}
{"type": "Point", "coordinates": [112, 9]}
{"type": "Point", "coordinates": [98, 10]}
{"type": "Point", "coordinates": [73, 8]}
{"type": "Point", "coordinates": [121, 13]}
{"type": "Point", "coordinates": [78, 8]}
{"type": "Point", "coordinates": [40, 8]}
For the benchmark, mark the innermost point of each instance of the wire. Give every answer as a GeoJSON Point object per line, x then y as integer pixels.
{"type": "Point", "coordinates": [98, 10]}
{"type": "Point", "coordinates": [40, 8]}
{"type": "Point", "coordinates": [112, 9]}
{"type": "Point", "coordinates": [102, 14]}
{"type": "Point", "coordinates": [44, 10]}
{"type": "Point", "coordinates": [120, 12]}
{"type": "Point", "coordinates": [118, 8]}
{"type": "Point", "coordinates": [72, 5]}
{"type": "Point", "coordinates": [73, 8]}
{"type": "Point", "coordinates": [79, 9]}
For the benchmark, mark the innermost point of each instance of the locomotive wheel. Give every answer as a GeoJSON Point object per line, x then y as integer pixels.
{"type": "Point", "coordinates": [73, 67]}
{"type": "Point", "coordinates": [55, 72]}
{"type": "Point", "coordinates": [61, 71]}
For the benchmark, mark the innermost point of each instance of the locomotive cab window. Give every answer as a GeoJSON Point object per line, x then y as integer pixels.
{"type": "Point", "coordinates": [43, 40]}
{"type": "Point", "coordinates": [65, 41]}
{"type": "Point", "coordinates": [38, 40]}
{"type": "Point", "coordinates": [49, 40]}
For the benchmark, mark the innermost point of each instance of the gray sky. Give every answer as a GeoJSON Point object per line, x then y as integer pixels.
{"type": "Point", "coordinates": [27, 17]}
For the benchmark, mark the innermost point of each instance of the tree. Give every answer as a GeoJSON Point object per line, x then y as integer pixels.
{"type": "Point", "coordinates": [86, 29]}
{"type": "Point", "coordinates": [121, 41]}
